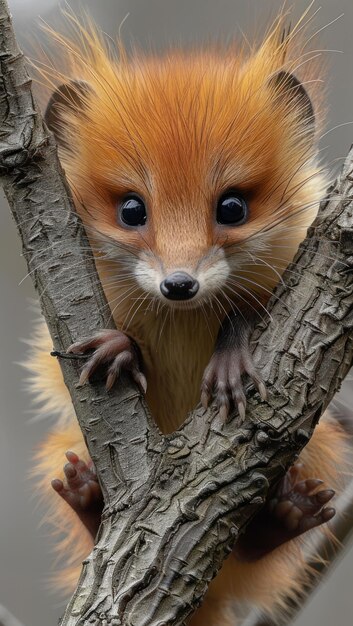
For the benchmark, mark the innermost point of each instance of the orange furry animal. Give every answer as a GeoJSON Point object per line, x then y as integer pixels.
{"type": "Point", "coordinates": [196, 175]}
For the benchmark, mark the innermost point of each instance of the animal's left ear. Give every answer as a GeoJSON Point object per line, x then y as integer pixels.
{"type": "Point", "coordinates": [288, 87]}
{"type": "Point", "coordinates": [69, 96]}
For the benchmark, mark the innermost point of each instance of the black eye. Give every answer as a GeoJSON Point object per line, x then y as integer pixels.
{"type": "Point", "coordinates": [232, 209]}
{"type": "Point", "coordinates": [133, 211]}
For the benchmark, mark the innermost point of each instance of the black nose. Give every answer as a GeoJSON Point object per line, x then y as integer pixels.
{"type": "Point", "coordinates": [179, 286]}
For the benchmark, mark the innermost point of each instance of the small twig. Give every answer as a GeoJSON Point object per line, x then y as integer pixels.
{"type": "Point", "coordinates": [67, 355]}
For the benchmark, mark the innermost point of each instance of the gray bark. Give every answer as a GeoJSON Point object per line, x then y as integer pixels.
{"type": "Point", "coordinates": [174, 504]}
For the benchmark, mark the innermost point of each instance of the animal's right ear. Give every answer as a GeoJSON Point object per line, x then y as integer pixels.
{"type": "Point", "coordinates": [72, 95]}
{"type": "Point", "coordinates": [290, 90]}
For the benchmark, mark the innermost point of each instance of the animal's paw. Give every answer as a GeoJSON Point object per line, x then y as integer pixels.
{"type": "Point", "coordinates": [81, 491]}
{"type": "Point", "coordinates": [113, 349]}
{"type": "Point", "coordinates": [222, 380]}
{"type": "Point", "coordinates": [300, 505]}
{"type": "Point", "coordinates": [295, 507]}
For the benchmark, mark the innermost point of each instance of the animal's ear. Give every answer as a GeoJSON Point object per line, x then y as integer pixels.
{"type": "Point", "coordinates": [72, 95]}
{"type": "Point", "coordinates": [289, 88]}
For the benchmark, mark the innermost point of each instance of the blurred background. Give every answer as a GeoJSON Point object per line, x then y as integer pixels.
{"type": "Point", "coordinates": [25, 558]}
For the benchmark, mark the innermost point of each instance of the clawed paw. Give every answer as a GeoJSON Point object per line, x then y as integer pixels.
{"type": "Point", "coordinates": [300, 505]}
{"type": "Point", "coordinates": [113, 349]}
{"type": "Point", "coordinates": [222, 380]}
{"type": "Point", "coordinates": [295, 507]}
{"type": "Point", "coordinates": [81, 491]}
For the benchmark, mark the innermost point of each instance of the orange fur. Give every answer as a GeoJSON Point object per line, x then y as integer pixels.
{"type": "Point", "coordinates": [180, 130]}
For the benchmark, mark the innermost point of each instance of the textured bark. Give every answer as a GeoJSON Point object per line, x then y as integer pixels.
{"type": "Point", "coordinates": [174, 504]}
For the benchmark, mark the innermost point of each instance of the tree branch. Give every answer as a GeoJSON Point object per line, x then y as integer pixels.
{"type": "Point", "coordinates": [174, 504]}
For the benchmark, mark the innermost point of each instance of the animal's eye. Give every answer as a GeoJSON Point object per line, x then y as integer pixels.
{"type": "Point", "coordinates": [232, 209]}
{"type": "Point", "coordinates": [132, 211]}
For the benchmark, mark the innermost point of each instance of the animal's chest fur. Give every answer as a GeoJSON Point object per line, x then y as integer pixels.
{"type": "Point", "coordinates": [176, 346]}
{"type": "Point", "coordinates": [175, 355]}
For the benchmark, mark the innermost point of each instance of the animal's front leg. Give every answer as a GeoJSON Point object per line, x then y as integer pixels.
{"type": "Point", "coordinates": [113, 349]}
{"type": "Point", "coordinates": [230, 361]}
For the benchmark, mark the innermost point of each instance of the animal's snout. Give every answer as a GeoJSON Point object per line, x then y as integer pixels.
{"type": "Point", "coordinates": [179, 286]}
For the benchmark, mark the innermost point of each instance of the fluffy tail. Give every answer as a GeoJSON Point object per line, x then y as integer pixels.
{"type": "Point", "coordinates": [73, 542]}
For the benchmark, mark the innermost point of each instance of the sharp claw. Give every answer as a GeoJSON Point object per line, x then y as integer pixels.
{"type": "Point", "coordinates": [262, 391]}
{"type": "Point", "coordinates": [75, 348]}
{"type": "Point", "coordinates": [205, 399]}
{"type": "Point", "coordinates": [223, 412]}
{"type": "Point", "coordinates": [84, 376]}
{"type": "Point", "coordinates": [241, 410]}
{"type": "Point", "coordinates": [110, 381]}
{"type": "Point", "coordinates": [141, 381]}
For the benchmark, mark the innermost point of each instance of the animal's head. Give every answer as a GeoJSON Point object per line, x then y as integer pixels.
{"type": "Point", "coordinates": [195, 172]}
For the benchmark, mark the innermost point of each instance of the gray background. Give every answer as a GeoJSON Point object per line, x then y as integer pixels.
{"type": "Point", "coordinates": [25, 558]}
